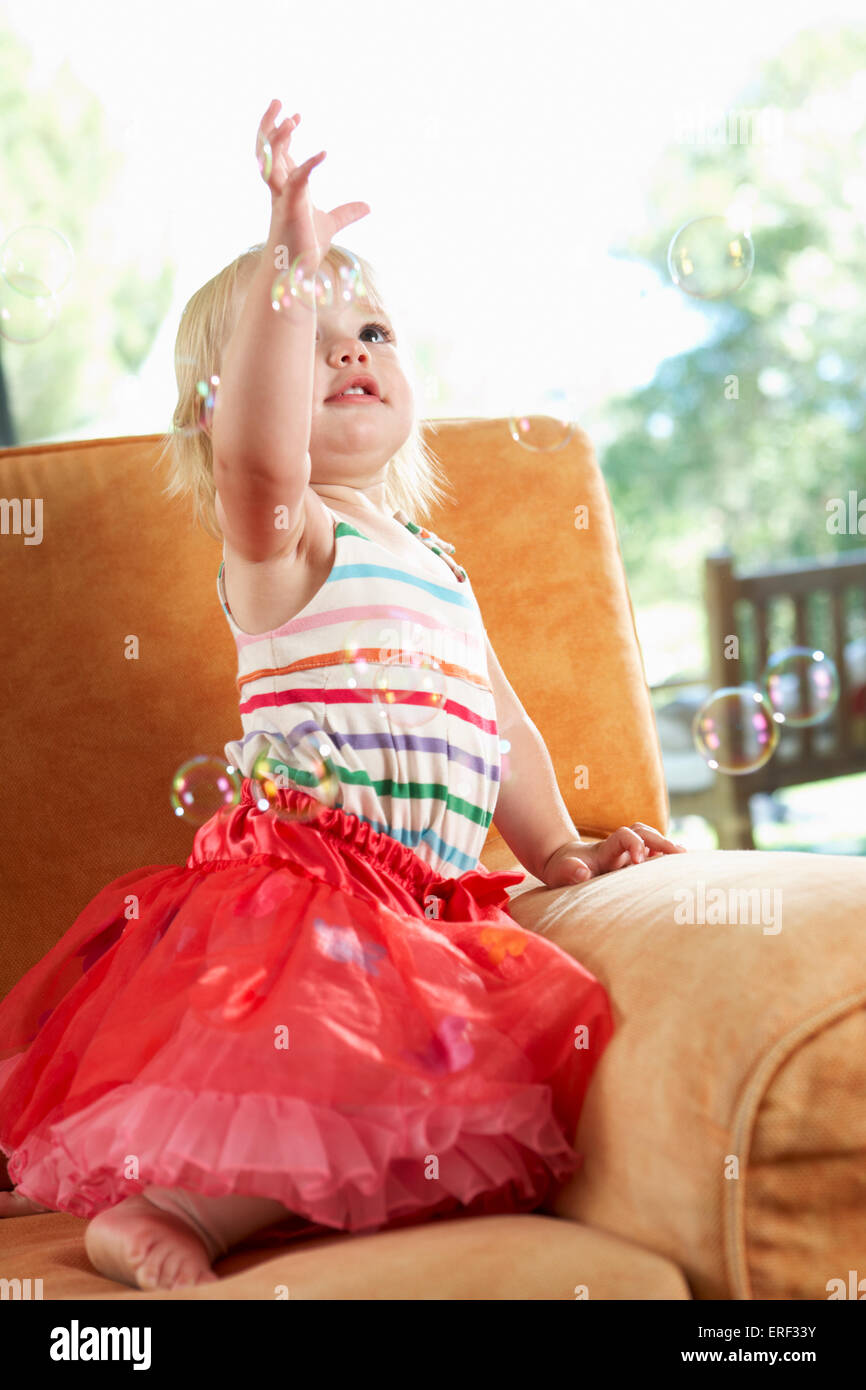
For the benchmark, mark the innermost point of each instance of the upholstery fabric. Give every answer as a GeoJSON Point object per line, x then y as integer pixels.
{"type": "Point", "coordinates": [732, 1041]}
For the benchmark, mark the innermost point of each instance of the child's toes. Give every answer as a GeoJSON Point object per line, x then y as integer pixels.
{"type": "Point", "coordinates": [149, 1275]}
{"type": "Point", "coordinates": [185, 1275]}
{"type": "Point", "coordinates": [159, 1266]}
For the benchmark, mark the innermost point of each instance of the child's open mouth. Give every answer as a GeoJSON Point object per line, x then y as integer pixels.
{"type": "Point", "coordinates": [353, 399]}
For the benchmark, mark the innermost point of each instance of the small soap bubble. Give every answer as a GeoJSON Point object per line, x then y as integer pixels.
{"type": "Point", "coordinates": [504, 761]}
{"type": "Point", "coordinates": [36, 261]}
{"type": "Point", "coordinates": [802, 686]}
{"type": "Point", "coordinates": [735, 730]}
{"type": "Point", "coordinates": [202, 786]}
{"type": "Point", "coordinates": [198, 389]}
{"type": "Point", "coordinates": [308, 766]}
{"type": "Point", "coordinates": [388, 666]}
{"type": "Point", "coordinates": [26, 318]}
{"type": "Point", "coordinates": [264, 155]}
{"type": "Point", "coordinates": [351, 281]}
{"type": "Point", "coordinates": [711, 257]}
{"type": "Point", "coordinates": [547, 428]}
{"type": "Point", "coordinates": [207, 392]}
{"type": "Point", "coordinates": [410, 689]}
{"type": "Point", "coordinates": [302, 284]}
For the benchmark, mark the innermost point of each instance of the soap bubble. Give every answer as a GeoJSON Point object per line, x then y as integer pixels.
{"type": "Point", "coordinates": [308, 765]}
{"type": "Point", "coordinates": [36, 261]}
{"type": "Point", "coordinates": [207, 391]}
{"type": "Point", "coordinates": [802, 686]}
{"type": "Point", "coordinates": [303, 283]}
{"type": "Point", "coordinates": [352, 286]}
{"type": "Point", "coordinates": [547, 429]}
{"type": "Point", "coordinates": [193, 377]}
{"type": "Point", "coordinates": [735, 730]}
{"type": "Point", "coordinates": [264, 155]}
{"type": "Point", "coordinates": [410, 688]}
{"type": "Point", "coordinates": [461, 786]}
{"type": "Point", "coordinates": [504, 761]}
{"type": "Point", "coordinates": [26, 318]}
{"type": "Point", "coordinates": [394, 673]}
{"type": "Point", "coordinates": [203, 785]}
{"type": "Point", "coordinates": [711, 257]}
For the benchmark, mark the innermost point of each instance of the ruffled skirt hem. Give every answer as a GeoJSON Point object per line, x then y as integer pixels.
{"type": "Point", "coordinates": [324, 1166]}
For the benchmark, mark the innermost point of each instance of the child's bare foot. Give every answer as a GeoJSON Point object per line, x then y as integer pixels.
{"type": "Point", "coordinates": [138, 1243]}
{"type": "Point", "coordinates": [16, 1204]}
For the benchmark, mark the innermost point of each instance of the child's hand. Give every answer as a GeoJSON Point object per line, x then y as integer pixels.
{"type": "Point", "coordinates": [574, 862]}
{"type": "Point", "coordinates": [308, 231]}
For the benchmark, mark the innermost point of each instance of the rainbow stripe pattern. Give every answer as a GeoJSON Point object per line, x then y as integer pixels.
{"type": "Point", "coordinates": [386, 670]}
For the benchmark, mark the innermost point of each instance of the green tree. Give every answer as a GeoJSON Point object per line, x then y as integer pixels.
{"type": "Point", "coordinates": [755, 473]}
{"type": "Point", "coordinates": [57, 169]}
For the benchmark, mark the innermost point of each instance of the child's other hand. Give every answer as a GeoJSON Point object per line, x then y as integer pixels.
{"type": "Point", "coordinates": [575, 862]}
{"type": "Point", "coordinates": [309, 230]}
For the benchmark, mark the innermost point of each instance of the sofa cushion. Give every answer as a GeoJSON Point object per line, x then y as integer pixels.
{"type": "Point", "coordinates": [521, 1257]}
{"type": "Point", "coordinates": [725, 1124]}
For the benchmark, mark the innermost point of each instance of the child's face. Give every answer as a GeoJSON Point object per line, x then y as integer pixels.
{"type": "Point", "coordinates": [350, 442]}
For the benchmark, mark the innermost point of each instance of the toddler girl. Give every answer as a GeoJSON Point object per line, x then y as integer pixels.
{"type": "Point", "coordinates": [327, 1018]}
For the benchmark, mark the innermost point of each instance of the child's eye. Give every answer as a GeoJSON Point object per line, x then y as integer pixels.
{"type": "Point", "coordinates": [380, 328]}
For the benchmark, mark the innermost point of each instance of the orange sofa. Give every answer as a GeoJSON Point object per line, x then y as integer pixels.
{"type": "Point", "coordinates": [724, 1133]}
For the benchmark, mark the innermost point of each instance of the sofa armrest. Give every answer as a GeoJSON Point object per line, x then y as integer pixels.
{"type": "Point", "coordinates": [724, 1126]}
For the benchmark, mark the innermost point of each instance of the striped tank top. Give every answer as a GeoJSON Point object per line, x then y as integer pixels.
{"type": "Point", "coordinates": [382, 679]}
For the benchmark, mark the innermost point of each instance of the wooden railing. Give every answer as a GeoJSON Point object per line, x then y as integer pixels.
{"type": "Point", "coordinates": [746, 605]}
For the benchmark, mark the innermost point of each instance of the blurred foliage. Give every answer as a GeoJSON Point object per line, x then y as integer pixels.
{"type": "Point", "coordinates": [754, 474]}
{"type": "Point", "coordinates": [134, 333]}
{"type": "Point", "coordinates": [57, 169]}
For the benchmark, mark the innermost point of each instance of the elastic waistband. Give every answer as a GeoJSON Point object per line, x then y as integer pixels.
{"type": "Point", "coordinates": [337, 846]}
{"type": "Point", "coordinates": [348, 832]}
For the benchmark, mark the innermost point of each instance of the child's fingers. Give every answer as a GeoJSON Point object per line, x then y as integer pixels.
{"type": "Point", "coordinates": [608, 865]}
{"type": "Point", "coordinates": [284, 131]}
{"type": "Point", "coordinates": [655, 840]}
{"type": "Point", "coordinates": [625, 842]}
{"type": "Point", "coordinates": [634, 844]}
{"type": "Point", "coordinates": [271, 114]}
{"type": "Point", "coordinates": [301, 172]}
{"type": "Point", "coordinates": [348, 212]}
{"type": "Point", "coordinates": [273, 133]}
{"type": "Point", "coordinates": [297, 179]}
{"type": "Point", "coordinates": [308, 165]}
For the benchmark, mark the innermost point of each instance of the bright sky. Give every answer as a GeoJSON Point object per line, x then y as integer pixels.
{"type": "Point", "coordinates": [498, 144]}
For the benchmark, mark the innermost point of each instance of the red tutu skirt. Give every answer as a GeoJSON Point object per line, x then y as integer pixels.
{"type": "Point", "coordinates": [303, 1011]}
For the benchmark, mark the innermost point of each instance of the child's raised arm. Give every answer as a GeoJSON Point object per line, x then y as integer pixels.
{"type": "Point", "coordinates": [260, 433]}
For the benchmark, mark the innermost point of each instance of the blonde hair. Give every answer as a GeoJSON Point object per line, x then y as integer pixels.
{"type": "Point", "coordinates": [414, 481]}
